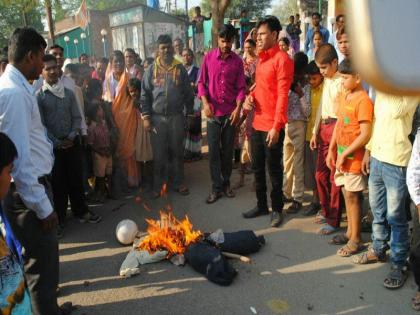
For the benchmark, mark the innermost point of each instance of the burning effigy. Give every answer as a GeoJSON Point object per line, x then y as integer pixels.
{"type": "Point", "coordinates": [176, 240]}
{"type": "Point", "coordinates": [169, 234]}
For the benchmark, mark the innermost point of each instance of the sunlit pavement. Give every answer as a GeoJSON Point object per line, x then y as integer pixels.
{"type": "Point", "coordinates": [297, 272]}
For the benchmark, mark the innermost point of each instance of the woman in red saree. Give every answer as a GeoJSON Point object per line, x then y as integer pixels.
{"type": "Point", "coordinates": [124, 113]}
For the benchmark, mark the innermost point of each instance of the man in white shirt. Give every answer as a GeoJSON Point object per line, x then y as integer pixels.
{"type": "Point", "coordinates": [28, 206]}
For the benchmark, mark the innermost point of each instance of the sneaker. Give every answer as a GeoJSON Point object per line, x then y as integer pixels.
{"type": "Point", "coordinates": [90, 217]}
{"type": "Point", "coordinates": [295, 207]}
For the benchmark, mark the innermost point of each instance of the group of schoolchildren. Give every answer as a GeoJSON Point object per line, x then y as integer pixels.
{"type": "Point", "coordinates": [340, 144]}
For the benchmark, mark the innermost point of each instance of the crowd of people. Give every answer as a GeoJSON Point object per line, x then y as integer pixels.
{"type": "Point", "coordinates": [81, 133]}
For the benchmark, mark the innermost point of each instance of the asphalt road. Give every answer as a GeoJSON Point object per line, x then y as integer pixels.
{"type": "Point", "coordinates": [297, 272]}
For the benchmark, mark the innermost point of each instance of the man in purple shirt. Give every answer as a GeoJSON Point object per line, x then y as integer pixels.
{"type": "Point", "coordinates": [221, 87]}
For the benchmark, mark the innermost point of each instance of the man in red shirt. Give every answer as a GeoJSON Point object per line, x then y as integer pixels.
{"type": "Point", "coordinates": [274, 76]}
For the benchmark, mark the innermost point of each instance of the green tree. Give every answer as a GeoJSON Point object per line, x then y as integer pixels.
{"type": "Point", "coordinates": [255, 8]}
{"type": "Point", "coordinates": [18, 13]}
{"type": "Point", "coordinates": [284, 9]}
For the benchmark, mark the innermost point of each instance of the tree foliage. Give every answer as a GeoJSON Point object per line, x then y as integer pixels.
{"type": "Point", "coordinates": [255, 8]}
{"type": "Point", "coordinates": [284, 9]}
{"type": "Point", "coordinates": [17, 13]}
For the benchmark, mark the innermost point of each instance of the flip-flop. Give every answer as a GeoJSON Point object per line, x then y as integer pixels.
{"type": "Point", "coordinates": [339, 239]}
{"type": "Point", "coordinates": [396, 278]}
{"type": "Point", "coordinates": [327, 230]}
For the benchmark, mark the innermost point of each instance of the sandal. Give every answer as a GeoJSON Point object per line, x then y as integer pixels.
{"type": "Point", "coordinates": [369, 257]}
{"type": "Point", "coordinates": [415, 302]}
{"type": "Point", "coordinates": [339, 239]}
{"type": "Point", "coordinates": [350, 249]}
{"type": "Point", "coordinates": [396, 278]}
{"type": "Point", "coordinates": [327, 230]}
{"type": "Point", "coordinates": [319, 218]}
{"type": "Point", "coordinates": [183, 190]}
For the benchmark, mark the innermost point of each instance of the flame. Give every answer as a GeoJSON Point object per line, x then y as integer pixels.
{"type": "Point", "coordinates": [163, 190]}
{"type": "Point", "coordinates": [169, 234]}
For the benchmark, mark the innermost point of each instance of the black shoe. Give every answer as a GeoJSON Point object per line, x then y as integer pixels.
{"type": "Point", "coordinates": [312, 209]}
{"type": "Point", "coordinates": [213, 197]}
{"type": "Point", "coordinates": [295, 207]}
{"type": "Point", "coordinates": [276, 218]}
{"type": "Point", "coordinates": [255, 212]}
{"type": "Point", "coordinates": [286, 200]}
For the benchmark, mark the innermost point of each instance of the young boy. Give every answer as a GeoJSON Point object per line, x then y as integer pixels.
{"type": "Point", "coordinates": [14, 297]}
{"type": "Point", "coordinates": [329, 194]}
{"type": "Point", "coordinates": [245, 27]}
{"type": "Point", "coordinates": [298, 111]}
{"type": "Point", "coordinates": [316, 81]}
{"type": "Point", "coordinates": [351, 133]}
{"type": "Point", "coordinates": [198, 24]}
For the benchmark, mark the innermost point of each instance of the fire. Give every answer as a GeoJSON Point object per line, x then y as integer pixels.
{"type": "Point", "coordinates": [169, 234]}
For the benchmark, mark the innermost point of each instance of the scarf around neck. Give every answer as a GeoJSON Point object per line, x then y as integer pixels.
{"type": "Point", "coordinates": [56, 89]}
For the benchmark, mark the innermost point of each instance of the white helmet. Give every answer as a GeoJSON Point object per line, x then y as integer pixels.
{"type": "Point", "coordinates": [126, 231]}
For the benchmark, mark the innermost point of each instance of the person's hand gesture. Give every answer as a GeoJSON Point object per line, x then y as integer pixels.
{"type": "Point", "coordinates": [330, 161]}
{"type": "Point", "coordinates": [272, 137]}
{"type": "Point", "coordinates": [249, 103]}
{"type": "Point", "coordinates": [313, 144]}
{"type": "Point", "coordinates": [366, 163]}
{"type": "Point", "coordinates": [147, 124]}
{"type": "Point", "coordinates": [208, 111]}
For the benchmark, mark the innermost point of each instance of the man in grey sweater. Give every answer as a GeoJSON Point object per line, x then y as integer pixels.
{"type": "Point", "coordinates": [166, 97]}
{"type": "Point", "coordinates": [62, 119]}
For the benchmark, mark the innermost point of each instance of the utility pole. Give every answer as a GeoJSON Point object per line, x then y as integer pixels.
{"type": "Point", "coordinates": [50, 19]}
{"type": "Point", "coordinates": [187, 25]}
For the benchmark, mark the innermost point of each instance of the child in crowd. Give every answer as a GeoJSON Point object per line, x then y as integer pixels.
{"type": "Point", "coordinates": [317, 41]}
{"type": "Point", "coordinates": [14, 296]}
{"type": "Point", "coordinates": [351, 133]}
{"type": "Point", "coordinates": [298, 111]}
{"type": "Point", "coordinates": [245, 27]}
{"type": "Point", "coordinates": [316, 81]}
{"type": "Point", "coordinates": [329, 194]}
{"type": "Point", "coordinates": [147, 63]}
{"type": "Point", "coordinates": [99, 140]}
{"type": "Point", "coordinates": [284, 44]}
{"type": "Point", "coordinates": [144, 154]}
{"type": "Point", "coordinates": [343, 44]}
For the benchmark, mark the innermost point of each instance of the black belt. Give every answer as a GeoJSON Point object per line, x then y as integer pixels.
{"type": "Point", "coordinates": [328, 120]}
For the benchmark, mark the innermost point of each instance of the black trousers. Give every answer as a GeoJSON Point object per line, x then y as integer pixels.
{"type": "Point", "coordinates": [220, 137]}
{"type": "Point", "coordinates": [40, 252]}
{"type": "Point", "coordinates": [273, 157]}
{"type": "Point", "coordinates": [67, 182]}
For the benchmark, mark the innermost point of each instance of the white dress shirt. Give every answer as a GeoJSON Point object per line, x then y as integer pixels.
{"type": "Point", "coordinates": [21, 121]}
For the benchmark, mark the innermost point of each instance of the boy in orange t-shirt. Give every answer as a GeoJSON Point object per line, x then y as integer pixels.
{"type": "Point", "coordinates": [345, 155]}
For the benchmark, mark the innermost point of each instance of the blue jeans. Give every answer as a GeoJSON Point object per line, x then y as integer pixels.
{"type": "Point", "coordinates": [387, 197]}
